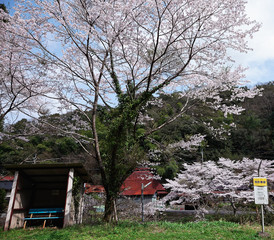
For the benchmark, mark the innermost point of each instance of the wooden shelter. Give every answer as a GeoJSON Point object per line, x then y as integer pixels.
{"type": "Point", "coordinates": [45, 186]}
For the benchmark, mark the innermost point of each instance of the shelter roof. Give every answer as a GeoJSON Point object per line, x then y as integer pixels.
{"type": "Point", "coordinates": [48, 172]}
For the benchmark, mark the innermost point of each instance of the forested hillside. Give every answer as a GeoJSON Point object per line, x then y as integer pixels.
{"type": "Point", "coordinates": [250, 134]}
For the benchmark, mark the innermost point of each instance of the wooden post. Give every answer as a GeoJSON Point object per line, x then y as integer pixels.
{"type": "Point", "coordinates": [81, 206]}
{"type": "Point", "coordinates": [142, 201]}
{"type": "Point", "coordinates": [68, 198]}
{"type": "Point", "coordinates": [11, 202]}
{"type": "Point", "coordinates": [115, 212]}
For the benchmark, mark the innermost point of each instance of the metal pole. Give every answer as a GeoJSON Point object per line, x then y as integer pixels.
{"type": "Point", "coordinates": [142, 201]}
{"type": "Point", "coordinates": [262, 208]}
{"type": "Point", "coordinates": [202, 153]}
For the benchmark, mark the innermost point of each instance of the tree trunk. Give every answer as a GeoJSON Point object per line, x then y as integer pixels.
{"type": "Point", "coordinates": [109, 208]}
{"type": "Point", "coordinates": [233, 207]}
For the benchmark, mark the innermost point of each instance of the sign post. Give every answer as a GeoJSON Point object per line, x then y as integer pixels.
{"type": "Point", "coordinates": [261, 194]}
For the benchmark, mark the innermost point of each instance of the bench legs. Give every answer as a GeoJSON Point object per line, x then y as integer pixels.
{"type": "Point", "coordinates": [25, 223]}
{"type": "Point", "coordinates": [44, 224]}
{"type": "Point", "coordinates": [46, 221]}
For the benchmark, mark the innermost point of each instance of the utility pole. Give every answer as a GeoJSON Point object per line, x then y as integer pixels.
{"type": "Point", "coordinates": [142, 198]}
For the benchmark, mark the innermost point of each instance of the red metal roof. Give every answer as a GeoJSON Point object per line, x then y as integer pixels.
{"type": "Point", "coordinates": [132, 185]}
{"type": "Point", "coordinates": [6, 178]}
{"type": "Point", "coordinates": [94, 188]}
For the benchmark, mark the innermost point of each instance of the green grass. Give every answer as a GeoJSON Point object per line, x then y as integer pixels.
{"type": "Point", "coordinates": [153, 230]}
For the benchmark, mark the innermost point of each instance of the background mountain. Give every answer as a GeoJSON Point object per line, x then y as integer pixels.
{"type": "Point", "coordinates": [250, 134]}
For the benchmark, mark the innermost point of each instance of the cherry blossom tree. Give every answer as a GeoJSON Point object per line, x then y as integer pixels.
{"type": "Point", "coordinates": [227, 179]}
{"type": "Point", "coordinates": [120, 54]}
{"type": "Point", "coordinates": [21, 77]}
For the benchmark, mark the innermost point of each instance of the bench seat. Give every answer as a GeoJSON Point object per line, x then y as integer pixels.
{"type": "Point", "coordinates": [44, 214]}
{"type": "Point", "coordinates": [45, 210]}
{"type": "Point", "coordinates": [35, 218]}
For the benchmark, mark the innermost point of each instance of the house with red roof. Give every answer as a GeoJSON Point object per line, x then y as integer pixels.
{"type": "Point", "coordinates": [6, 184]}
{"type": "Point", "coordinates": [132, 186]}
{"type": "Point", "coordinates": [94, 189]}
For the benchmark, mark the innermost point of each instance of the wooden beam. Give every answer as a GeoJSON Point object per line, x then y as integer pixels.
{"type": "Point", "coordinates": [11, 202]}
{"type": "Point", "coordinates": [68, 198]}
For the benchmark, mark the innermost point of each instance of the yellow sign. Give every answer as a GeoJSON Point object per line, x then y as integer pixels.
{"type": "Point", "coordinates": [258, 181]}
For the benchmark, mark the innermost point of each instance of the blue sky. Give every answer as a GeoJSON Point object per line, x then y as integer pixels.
{"type": "Point", "coordinates": [260, 61]}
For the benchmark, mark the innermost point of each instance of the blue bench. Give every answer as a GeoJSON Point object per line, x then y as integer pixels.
{"type": "Point", "coordinates": [44, 214]}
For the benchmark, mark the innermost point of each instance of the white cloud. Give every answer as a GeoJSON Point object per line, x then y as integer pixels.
{"type": "Point", "coordinates": [260, 61]}
{"type": "Point", "coordinates": [262, 43]}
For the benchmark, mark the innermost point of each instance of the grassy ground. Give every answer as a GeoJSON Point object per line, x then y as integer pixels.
{"type": "Point", "coordinates": [156, 230]}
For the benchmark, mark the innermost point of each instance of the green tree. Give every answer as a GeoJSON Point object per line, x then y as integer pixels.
{"type": "Point", "coordinates": [121, 54]}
